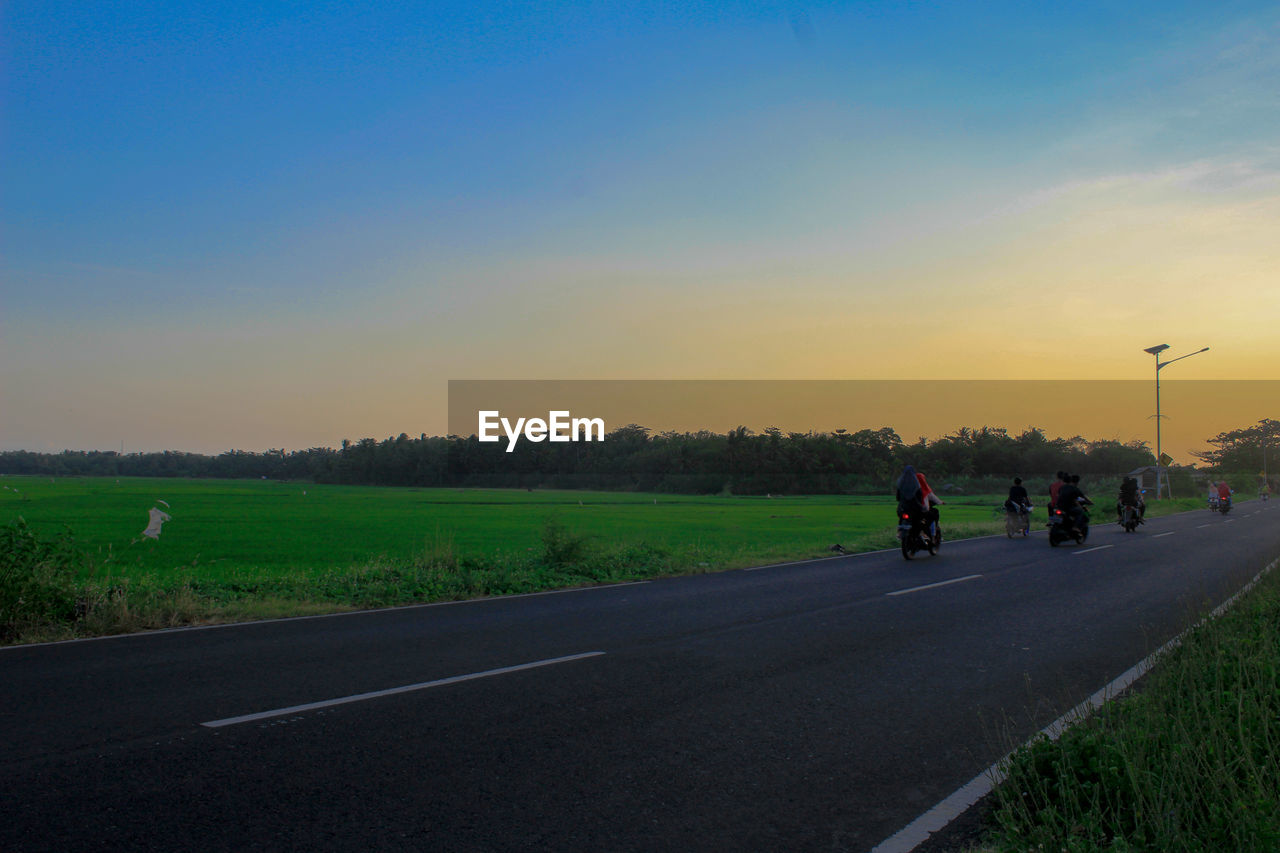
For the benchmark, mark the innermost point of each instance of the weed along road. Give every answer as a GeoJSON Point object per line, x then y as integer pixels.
{"type": "Point", "coordinates": [815, 706]}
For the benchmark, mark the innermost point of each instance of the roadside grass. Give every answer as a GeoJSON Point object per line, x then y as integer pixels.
{"type": "Point", "coordinates": [1191, 761]}
{"type": "Point", "coordinates": [237, 550]}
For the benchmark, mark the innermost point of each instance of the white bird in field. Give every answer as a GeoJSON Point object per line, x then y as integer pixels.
{"type": "Point", "coordinates": [157, 518]}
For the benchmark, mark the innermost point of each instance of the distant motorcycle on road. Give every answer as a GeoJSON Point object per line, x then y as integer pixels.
{"type": "Point", "coordinates": [1061, 527]}
{"type": "Point", "coordinates": [1129, 518]}
{"type": "Point", "coordinates": [918, 534]}
{"type": "Point", "coordinates": [1017, 519]}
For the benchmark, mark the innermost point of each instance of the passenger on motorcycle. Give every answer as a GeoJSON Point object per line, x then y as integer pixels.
{"type": "Point", "coordinates": [1130, 495]}
{"type": "Point", "coordinates": [929, 500]}
{"type": "Point", "coordinates": [1224, 493]}
{"type": "Point", "coordinates": [1054, 488]}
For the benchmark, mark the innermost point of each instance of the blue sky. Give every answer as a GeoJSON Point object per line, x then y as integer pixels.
{"type": "Point", "coordinates": [253, 225]}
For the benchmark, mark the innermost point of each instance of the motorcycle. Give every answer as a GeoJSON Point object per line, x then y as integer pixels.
{"type": "Point", "coordinates": [1061, 528]}
{"type": "Point", "coordinates": [1129, 518]}
{"type": "Point", "coordinates": [1224, 506]}
{"type": "Point", "coordinates": [1214, 503]}
{"type": "Point", "coordinates": [917, 536]}
{"type": "Point", "coordinates": [1017, 519]}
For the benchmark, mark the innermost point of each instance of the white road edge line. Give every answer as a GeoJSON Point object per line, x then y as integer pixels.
{"type": "Point", "coordinates": [360, 697]}
{"type": "Point", "coordinates": [1090, 550]}
{"type": "Point", "coordinates": [933, 585]}
{"type": "Point", "coordinates": [918, 831]}
{"type": "Point", "coordinates": [1158, 535]}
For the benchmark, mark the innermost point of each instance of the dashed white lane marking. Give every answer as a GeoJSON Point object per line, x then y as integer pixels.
{"type": "Point", "coordinates": [1091, 550]}
{"type": "Point", "coordinates": [1198, 526]}
{"type": "Point", "coordinates": [918, 831]}
{"type": "Point", "coordinates": [360, 697]}
{"type": "Point", "coordinates": [933, 585]}
{"type": "Point", "coordinates": [1158, 535]}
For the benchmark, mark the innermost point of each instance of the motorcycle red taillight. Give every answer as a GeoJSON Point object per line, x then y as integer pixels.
{"type": "Point", "coordinates": [906, 518]}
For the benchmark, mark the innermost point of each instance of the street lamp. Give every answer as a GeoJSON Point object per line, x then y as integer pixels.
{"type": "Point", "coordinates": [1156, 350]}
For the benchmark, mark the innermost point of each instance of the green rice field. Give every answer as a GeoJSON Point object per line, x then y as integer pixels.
{"type": "Point", "coordinates": [235, 549]}
{"type": "Point", "coordinates": [224, 526]}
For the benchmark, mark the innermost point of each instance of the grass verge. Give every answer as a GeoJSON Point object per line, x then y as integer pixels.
{"type": "Point", "coordinates": [1189, 762]}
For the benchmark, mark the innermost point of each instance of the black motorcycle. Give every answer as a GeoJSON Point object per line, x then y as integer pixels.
{"type": "Point", "coordinates": [917, 534]}
{"type": "Point", "coordinates": [1062, 528]}
{"type": "Point", "coordinates": [1130, 518]}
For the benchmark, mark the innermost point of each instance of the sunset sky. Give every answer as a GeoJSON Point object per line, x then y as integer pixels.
{"type": "Point", "coordinates": [247, 225]}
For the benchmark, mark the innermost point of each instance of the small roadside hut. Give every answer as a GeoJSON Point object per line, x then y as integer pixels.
{"type": "Point", "coordinates": [1146, 477]}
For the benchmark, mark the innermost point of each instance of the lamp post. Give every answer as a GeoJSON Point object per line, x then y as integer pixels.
{"type": "Point", "coordinates": [1266, 482]}
{"type": "Point", "coordinates": [1156, 350]}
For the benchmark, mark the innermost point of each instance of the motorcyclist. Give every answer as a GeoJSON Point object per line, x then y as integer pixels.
{"type": "Point", "coordinates": [908, 494]}
{"type": "Point", "coordinates": [1224, 493]}
{"type": "Point", "coordinates": [1071, 500]}
{"type": "Point", "coordinates": [916, 499]}
{"type": "Point", "coordinates": [1018, 500]}
{"type": "Point", "coordinates": [1130, 495]}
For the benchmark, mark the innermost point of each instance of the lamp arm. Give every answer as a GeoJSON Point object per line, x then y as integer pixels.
{"type": "Point", "coordinates": [1160, 364]}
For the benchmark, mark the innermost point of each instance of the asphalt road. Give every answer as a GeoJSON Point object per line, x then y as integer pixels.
{"type": "Point", "coordinates": [814, 706]}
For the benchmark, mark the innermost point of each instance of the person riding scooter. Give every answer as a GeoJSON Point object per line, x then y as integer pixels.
{"type": "Point", "coordinates": [1018, 501]}
{"type": "Point", "coordinates": [1130, 495]}
{"type": "Point", "coordinates": [908, 494]}
{"type": "Point", "coordinates": [1072, 501]}
{"type": "Point", "coordinates": [917, 501]}
{"type": "Point", "coordinates": [1224, 495]}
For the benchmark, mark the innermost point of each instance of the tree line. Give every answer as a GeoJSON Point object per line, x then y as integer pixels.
{"type": "Point", "coordinates": [631, 457]}
{"type": "Point", "coordinates": [1253, 449]}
